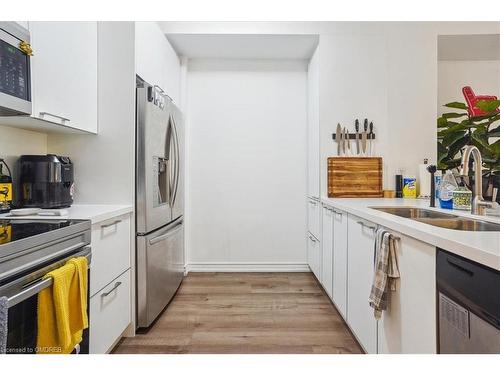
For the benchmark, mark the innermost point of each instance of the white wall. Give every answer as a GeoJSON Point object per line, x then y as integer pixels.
{"type": "Point", "coordinates": [15, 142]}
{"type": "Point", "coordinates": [353, 85]}
{"type": "Point", "coordinates": [482, 76]}
{"type": "Point", "coordinates": [247, 164]}
{"type": "Point", "coordinates": [411, 98]}
{"type": "Point", "coordinates": [104, 163]}
{"type": "Point", "coordinates": [156, 61]}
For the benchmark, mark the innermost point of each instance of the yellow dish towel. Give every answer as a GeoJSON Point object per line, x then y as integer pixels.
{"type": "Point", "coordinates": [62, 308]}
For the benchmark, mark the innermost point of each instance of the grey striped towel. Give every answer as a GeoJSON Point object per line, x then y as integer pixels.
{"type": "Point", "coordinates": [386, 271]}
{"type": "Point", "coordinates": [4, 308]}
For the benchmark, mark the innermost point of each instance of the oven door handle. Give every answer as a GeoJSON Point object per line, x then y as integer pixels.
{"type": "Point", "coordinates": [32, 289]}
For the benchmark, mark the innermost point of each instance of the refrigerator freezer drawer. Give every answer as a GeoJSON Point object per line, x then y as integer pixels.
{"type": "Point", "coordinates": [160, 268]}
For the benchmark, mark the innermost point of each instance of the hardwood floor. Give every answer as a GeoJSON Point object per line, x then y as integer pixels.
{"type": "Point", "coordinates": [246, 313]}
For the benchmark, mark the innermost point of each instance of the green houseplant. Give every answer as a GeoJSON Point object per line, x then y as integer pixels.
{"type": "Point", "coordinates": [457, 129]}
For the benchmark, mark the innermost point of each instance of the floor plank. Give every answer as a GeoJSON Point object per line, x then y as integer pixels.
{"type": "Point", "coordinates": [243, 313]}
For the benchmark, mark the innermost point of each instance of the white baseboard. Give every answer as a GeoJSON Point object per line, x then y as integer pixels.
{"type": "Point", "coordinates": [246, 267]}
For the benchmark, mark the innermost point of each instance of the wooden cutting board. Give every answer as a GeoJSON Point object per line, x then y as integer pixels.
{"type": "Point", "coordinates": [355, 177]}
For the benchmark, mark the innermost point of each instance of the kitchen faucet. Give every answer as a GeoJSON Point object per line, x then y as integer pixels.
{"type": "Point", "coordinates": [479, 205]}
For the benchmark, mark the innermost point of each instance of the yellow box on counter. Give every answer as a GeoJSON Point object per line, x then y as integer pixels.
{"type": "Point", "coordinates": [409, 187]}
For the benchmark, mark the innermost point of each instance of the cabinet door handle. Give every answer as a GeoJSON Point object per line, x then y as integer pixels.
{"type": "Point", "coordinates": [63, 119]}
{"type": "Point", "coordinates": [373, 228]}
{"type": "Point", "coordinates": [117, 284]}
{"type": "Point", "coordinates": [312, 238]}
{"type": "Point", "coordinates": [111, 224]}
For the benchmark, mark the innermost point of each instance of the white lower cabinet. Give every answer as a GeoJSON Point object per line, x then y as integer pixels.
{"type": "Point", "coordinates": [343, 261]}
{"type": "Point", "coordinates": [110, 311]}
{"type": "Point", "coordinates": [359, 280]}
{"type": "Point", "coordinates": [314, 217]}
{"type": "Point", "coordinates": [110, 282]}
{"type": "Point", "coordinates": [339, 294]}
{"type": "Point", "coordinates": [110, 251]}
{"type": "Point", "coordinates": [314, 255]}
{"type": "Point", "coordinates": [327, 249]}
{"type": "Point", "coordinates": [409, 323]}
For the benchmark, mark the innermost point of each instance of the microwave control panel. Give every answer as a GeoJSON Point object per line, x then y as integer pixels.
{"type": "Point", "coordinates": [14, 71]}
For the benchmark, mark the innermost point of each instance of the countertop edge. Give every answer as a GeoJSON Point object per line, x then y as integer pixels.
{"type": "Point", "coordinates": [475, 254]}
{"type": "Point", "coordinates": [96, 213]}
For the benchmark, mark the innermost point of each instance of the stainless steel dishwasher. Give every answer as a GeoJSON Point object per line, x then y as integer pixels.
{"type": "Point", "coordinates": [469, 306]}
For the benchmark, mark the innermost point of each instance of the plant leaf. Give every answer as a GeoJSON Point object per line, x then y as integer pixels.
{"type": "Point", "coordinates": [452, 137]}
{"type": "Point", "coordinates": [454, 128]}
{"type": "Point", "coordinates": [457, 105]}
{"type": "Point", "coordinates": [488, 106]}
{"type": "Point", "coordinates": [442, 152]}
{"type": "Point", "coordinates": [441, 122]}
{"type": "Point", "coordinates": [456, 146]}
{"type": "Point", "coordinates": [453, 115]}
{"type": "Point", "coordinates": [495, 150]}
{"type": "Point", "coordinates": [494, 133]}
{"type": "Point", "coordinates": [480, 135]}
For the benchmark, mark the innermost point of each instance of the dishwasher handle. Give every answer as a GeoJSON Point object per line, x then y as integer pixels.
{"type": "Point", "coordinates": [452, 263]}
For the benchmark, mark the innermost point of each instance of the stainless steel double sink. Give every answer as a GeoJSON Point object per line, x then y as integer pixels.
{"type": "Point", "coordinates": [441, 219]}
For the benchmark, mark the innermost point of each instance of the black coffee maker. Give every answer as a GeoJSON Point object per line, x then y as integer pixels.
{"type": "Point", "coordinates": [45, 181]}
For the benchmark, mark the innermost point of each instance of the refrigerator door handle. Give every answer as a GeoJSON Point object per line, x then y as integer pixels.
{"type": "Point", "coordinates": [177, 162]}
{"type": "Point", "coordinates": [170, 153]}
{"type": "Point", "coordinates": [163, 237]}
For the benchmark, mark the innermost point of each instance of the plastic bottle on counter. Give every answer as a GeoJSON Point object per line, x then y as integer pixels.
{"type": "Point", "coordinates": [438, 176]}
{"type": "Point", "coordinates": [446, 188]}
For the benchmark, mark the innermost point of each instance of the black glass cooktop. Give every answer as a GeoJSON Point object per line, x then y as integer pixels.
{"type": "Point", "coordinates": [17, 229]}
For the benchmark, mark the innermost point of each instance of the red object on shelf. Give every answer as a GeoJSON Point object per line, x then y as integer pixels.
{"type": "Point", "coordinates": [472, 99]}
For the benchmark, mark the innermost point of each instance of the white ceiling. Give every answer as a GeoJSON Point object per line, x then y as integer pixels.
{"type": "Point", "coordinates": [485, 47]}
{"type": "Point", "coordinates": [244, 46]}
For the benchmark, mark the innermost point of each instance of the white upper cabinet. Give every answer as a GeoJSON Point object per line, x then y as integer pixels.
{"type": "Point", "coordinates": [156, 62]}
{"type": "Point", "coordinates": [404, 327]}
{"type": "Point", "coordinates": [313, 144]}
{"type": "Point", "coordinates": [361, 238]}
{"type": "Point", "coordinates": [64, 73]}
{"type": "Point", "coordinates": [327, 250]}
{"type": "Point", "coordinates": [339, 293]}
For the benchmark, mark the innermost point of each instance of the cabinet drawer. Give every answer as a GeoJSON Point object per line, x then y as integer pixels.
{"type": "Point", "coordinates": [110, 251]}
{"type": "Point", "coordinates": [313, 217]}
{"type": "Point", "coordinates": [109, 314]}
{"type": "Point", "coordinates": [314, 255]}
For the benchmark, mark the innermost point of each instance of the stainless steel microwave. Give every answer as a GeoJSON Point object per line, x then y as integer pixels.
{"type": "Point", "coordinates": [15, 80]}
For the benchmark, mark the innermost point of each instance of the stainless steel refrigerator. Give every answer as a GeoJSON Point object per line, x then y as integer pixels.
{"type": "Point", "coordinates": [159, 201]}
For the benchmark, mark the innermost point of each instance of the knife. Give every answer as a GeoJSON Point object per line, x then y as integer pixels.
{"type": "Point", "coordinates": [344, 143]}
{"type": "Point", "coordinates": [364, 136]}
{"type": "Point", "coordinates": [356, 125]}
{"type": "Point", "coordinates": [348, 153]}
{"type": "Point", "coordinates": [338, 138]}
{"type": "Point", "coordinates": [371, 135]}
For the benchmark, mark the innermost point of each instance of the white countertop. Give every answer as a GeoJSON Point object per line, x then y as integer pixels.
{"type": "Point", "coordinates": [481, 247]}
{"type": "Point", "coordinates": [94, 212]}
